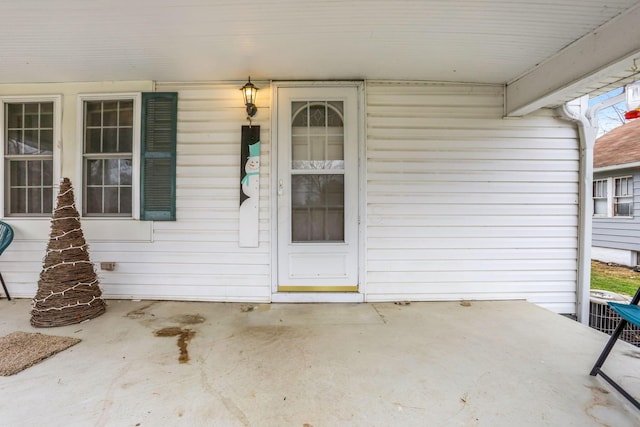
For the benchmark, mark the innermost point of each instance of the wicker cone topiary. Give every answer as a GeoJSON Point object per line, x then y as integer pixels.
{"type": "Point", "coordinates": [68, 289]}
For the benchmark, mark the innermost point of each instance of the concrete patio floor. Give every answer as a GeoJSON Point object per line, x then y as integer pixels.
{"type": "Point", "coordinates": [424, 364]}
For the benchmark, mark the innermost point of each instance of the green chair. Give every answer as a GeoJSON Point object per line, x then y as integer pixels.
{"type": "Point", "coordinates": [630, 314]}
{"type": "Point", "coordinates": [6, 237]}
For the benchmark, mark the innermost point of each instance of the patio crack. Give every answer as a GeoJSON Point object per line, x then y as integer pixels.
{"type": "Point", "coordinates": [384, 319]}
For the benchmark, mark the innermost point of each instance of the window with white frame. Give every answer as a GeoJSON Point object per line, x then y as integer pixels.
{"type": "Point", "coordinates": [623, 196]}
{"type": "Point", "coordinates": [600, 197]}
{"type": "Point", "coordinates": [30, 128]}
{"type": "Point", "coordinates": [109, 147]}
{"type": "Point", "coordinates": [613, 197]}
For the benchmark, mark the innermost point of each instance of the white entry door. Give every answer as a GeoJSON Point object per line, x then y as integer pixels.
{"type": "Point", "coordinates": [317, 187]}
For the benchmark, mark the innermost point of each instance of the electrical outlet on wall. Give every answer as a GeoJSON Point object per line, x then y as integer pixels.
{"type": "Point", "coordinates": [107, 266]}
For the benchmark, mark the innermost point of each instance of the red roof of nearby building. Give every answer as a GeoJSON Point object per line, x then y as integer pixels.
{"type": "Point", "coordinates": [619, 146]}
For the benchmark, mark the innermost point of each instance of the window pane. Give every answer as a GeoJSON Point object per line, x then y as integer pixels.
{"type": "Point", "coordinates": [126, 113]}
{"type": "Point", "coordinates": [47, 173]}
{"type": "Point", "coordinates": [93, 111]}
{"type": "Point", "coordinates": [317, 145]}
{"type": "Point", "coordinates": [31, 115]}
{"type": "Point", "coordinates": [600, 206]}
{"type": "Point", "coordinates": [300, 225]}
{"type": "Point", "coordinates": [317, 115]}
{"type": "Point", "coordinates": [18, 173]}
{"type": "Point", "coordinates": [47, 200]}
{"type": "Point", "coordinates": [35, 200]}
{"type": "Point", "coordinates": [111, 202]}
{"type": "Point", "coordinates": [94, 172]}
{"type": "Point", "coordinates": [93, 138]}
{"type": "Point", "coordinates": [110, 113]}
{"type": "Point", "coordinates": [94, 200]}
{"type": "Point", "coordinates": [317, 207]}
{"type": "Point", "coordinates": [46, 141]}
{"type": "Point", "coordinates": [18, 200]}
{"type": "Point", "coordinates": [126, 172]}
{"type": "Point", "coordinates": [14, 116]}
{"type": "Point", "coordinates": [299, 114]}
{"type": "Point", "coordinates": [334, 114]}
{"type": "Point", "coordinates": [46, 115]}
{"type": "Point", "coordinates": [125, 200]}
{"type": "Point", "coordinates": [335, 145]}
{"type": "Point", "coordinates": [34, 173]}
{"type": "Point", "coordinates": [622, 208]}
{"type": "Point", "coordinates": [623, 187]}
{"type": "Point", "coordinates": [110, 140]}
{"type": "Point", "coordinates": [112, 172]}
{"type": "Point", "coordinates": [14, 142]}
{"type": "Point", "coordinates": [31, 144]}
{"type": "Point", "coordinates": [126, 140]}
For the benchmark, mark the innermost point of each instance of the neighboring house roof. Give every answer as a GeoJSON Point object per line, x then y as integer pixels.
{"type": "Point", "coordinates": [619, 146]}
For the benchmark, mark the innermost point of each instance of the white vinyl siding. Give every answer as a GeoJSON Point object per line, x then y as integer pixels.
{"type": "Point", "coordinates": [462, 204]}
{"type": "Point", "coordinates": [197, 257]}
{"type": "Point", "coordinates": [458, 204]}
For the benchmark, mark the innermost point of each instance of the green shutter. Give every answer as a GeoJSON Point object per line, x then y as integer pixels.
{"type": "Point", "coordinates": [158, 156]}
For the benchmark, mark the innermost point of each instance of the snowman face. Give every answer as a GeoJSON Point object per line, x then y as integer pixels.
{"type": "Point", "coordinates": [252, 165]}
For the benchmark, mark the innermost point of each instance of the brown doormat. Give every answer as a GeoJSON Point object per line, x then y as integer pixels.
{"type": "Point", "coordinates": [20, 350]}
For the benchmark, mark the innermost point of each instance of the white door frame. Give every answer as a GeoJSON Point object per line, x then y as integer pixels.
{"type": "Point", "coordinates": [317, 296]}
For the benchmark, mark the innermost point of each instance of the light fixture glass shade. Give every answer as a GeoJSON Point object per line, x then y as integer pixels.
{"type": "Point", "coordinates": [249, 93]}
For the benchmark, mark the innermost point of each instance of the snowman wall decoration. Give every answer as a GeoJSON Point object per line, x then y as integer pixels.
{"type": "Point", "coordinates": [249, 189]}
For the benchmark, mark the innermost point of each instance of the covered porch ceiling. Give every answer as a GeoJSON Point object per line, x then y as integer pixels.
{"type": "Point", "coordinates": [545, 52]}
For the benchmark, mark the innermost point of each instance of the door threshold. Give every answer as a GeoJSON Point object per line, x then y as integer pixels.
{"type": "Point", "coordinates": [307, 297]}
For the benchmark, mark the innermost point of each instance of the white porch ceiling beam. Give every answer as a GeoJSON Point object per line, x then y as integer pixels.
{"type": "Point", "coordinates": [606, 51]}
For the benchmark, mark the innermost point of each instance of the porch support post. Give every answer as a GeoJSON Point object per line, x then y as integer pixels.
{"type": "Point", "coordinates": [576, 111]}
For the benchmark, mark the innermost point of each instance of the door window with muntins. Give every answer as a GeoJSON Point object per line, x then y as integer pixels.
{"type": "Point", "coordinates": [317, 171]}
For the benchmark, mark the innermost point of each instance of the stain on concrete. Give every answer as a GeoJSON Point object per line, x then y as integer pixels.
{"type": "Point", "coordinates": [184, 337]}
{"type": "Point", "coordinates": [598, 402]}
{"type": "Point", "coordinates": [248, 308]}
{"type": "Point", "coordinates": [188, 319]}
{"type": "Point", "coordinates": [598, 389]}
{"type": "Point", "coordinates": [266, 333]}
{"type": "Point", "coordinates": [141, 311]}
{"type": "Point", "coordinates": [633, 354]}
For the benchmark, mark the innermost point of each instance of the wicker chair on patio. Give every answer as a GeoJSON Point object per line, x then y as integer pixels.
{"type": "Point", "coordinates": [6, 237]}
{"type": "Point", "coordinates": [629, 313]}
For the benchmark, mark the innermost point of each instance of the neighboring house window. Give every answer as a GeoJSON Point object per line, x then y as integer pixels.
{"type": "Point", "coordinates": [613, 197]}
{"type": "Point", "coordinates": [30, 129]}
{"type": "Point", "coordinates": [623, 197]}
{"type": "Point", "coordinates": [108, 150]}
{"type": "Point", "coordinates": [129, 155]}
{"type": "Point", "coordinates": [600, 197]}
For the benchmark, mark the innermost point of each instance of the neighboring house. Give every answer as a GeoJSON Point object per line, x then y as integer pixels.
{"type": "Point", "coordinates": [616, 196]}
{"type": "Point", "coordinates": [409, 150]}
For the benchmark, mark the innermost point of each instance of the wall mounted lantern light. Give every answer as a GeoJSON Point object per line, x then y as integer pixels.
{"type": "Point", "coordinates": [249, 92]}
